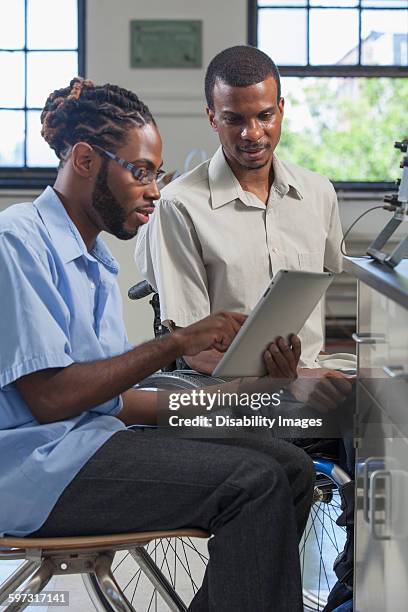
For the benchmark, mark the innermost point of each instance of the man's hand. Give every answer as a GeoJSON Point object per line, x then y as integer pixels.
{"type": "Point", "coordinates": [281, 359]}
{"type": "Point", "coordinates": [321, 388]}
{"type": "Point", "coordinates": [330, 392]}
{"type": "Point", "coordinates": [214, 332]}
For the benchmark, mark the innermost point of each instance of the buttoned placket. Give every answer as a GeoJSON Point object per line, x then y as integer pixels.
{"type": "Point", "coordinates": [92, 271]}
{"type": "Point", "coordinates": [273, 241]}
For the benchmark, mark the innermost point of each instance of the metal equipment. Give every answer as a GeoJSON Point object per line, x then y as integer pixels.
{"type": "Point", "coordinates": [398, 204]}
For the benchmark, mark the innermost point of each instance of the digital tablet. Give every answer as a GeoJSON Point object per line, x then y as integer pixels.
{"type": "Point", "coordinates": [281, 311]}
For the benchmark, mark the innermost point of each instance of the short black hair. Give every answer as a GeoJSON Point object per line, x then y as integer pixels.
{"type": "Point", "coordinates": [239, 66]}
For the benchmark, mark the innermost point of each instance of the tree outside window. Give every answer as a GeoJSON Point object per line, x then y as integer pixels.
{"type": "Point", "coordinates": [344, 67]}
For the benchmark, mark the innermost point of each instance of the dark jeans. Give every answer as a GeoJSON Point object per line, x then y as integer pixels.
{"type": "Point", "coordinates": [254, 496]}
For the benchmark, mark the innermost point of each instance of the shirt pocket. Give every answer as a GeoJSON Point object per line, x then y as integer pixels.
{"type": "Point", "coordinates": [311, 262]}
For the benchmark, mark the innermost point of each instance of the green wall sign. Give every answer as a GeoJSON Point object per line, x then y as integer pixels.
{"type": "Point", "coordinates": [166, 44]}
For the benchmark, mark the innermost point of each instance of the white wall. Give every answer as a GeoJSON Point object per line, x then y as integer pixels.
{"type": "Point", "coordinates": [176, 98]}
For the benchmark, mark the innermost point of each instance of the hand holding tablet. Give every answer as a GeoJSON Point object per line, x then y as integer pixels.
{"type": "Point", "coordinates": [281, 311]}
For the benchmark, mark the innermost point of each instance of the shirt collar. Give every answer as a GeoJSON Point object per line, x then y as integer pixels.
{"type": "Point", "coordinates": [284, 179]}
{"type": "Point", "coordinates": [65, 234]}
{"type": "Point", "coordinates": [225, 187]}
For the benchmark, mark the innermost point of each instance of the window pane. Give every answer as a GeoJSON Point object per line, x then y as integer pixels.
{"type": "Point", "coordinates": [12, 79]}
{"type": "Point", "coordinates": [282, 35]}
{"type": "Point", "coordinates": [52, 25]}
{"type": "Point", "coordinates": [11, 24]}
{"type": "Point", "coordinates": [345, 128]}
{"type": "Point", "coordinates": [385, 3]}
{"type": "Point", "coordinates": [384, 37]}
{"type": "Point", "coordinates": [48, 71]}
{"type": "Point", "coordinates": [333, 36]}
{"type": "Point", "coordinates": [334, 3]}
{"type": "Point", "coordinates": [12, 138]}
{"type": "Point", "coordinates": [282, 2]}
{"type": "Point", "coordinates": [39, 152]}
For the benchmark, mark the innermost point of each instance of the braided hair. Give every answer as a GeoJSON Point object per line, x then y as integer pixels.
{"type": "Point", "coordinates": [97, 114]}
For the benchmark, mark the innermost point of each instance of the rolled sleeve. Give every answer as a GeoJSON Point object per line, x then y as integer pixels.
{"type": "Point", "coordinates": [168, 254]}
{"type": "Point", "coordinates": [34, 326]}
{"type": "Point", "coordinates": [111, 407]}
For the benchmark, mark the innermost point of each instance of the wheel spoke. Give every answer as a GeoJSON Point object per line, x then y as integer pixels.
{"type": "Point", "coordinates": [188, 542]}
{"type": "Point", "coordinates": [167, 563]}
{"type": "Point", "coordinates": [193, 584]}
{"type": "Point", "coordinates": [321, 559]}
{"type": "Point", "coordinates": [324, 514]}
{"type": "Point", "coordinates": [120, 562]}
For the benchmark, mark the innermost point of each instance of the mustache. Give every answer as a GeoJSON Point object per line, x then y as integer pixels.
{"type": "Point", "coordinates": [252, 148]}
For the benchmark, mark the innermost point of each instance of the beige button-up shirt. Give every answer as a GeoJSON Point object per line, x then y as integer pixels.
{"type": "Point", "coordinates": [210, 245]}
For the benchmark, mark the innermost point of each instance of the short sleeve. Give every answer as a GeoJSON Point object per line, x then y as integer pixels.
{"type": "Point", "coordinates": [168, 254]}
{"type": "Point", "coordinates": [34, 322]}
{"type": "Point", "coordinates": [111, 407]}
{"type": "Point", "coordinates": [333, 259]}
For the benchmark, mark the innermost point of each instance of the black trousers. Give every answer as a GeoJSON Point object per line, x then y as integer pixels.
{"type": "Point", "coordinates": [254, 496]}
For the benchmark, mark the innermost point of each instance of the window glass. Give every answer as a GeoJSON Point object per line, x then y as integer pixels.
{"type": "Point", "coordinates": [333, 36]}
{"type": "Point", "coordinates": [384, 37]}
{"type": "Point", "coordinates": [282, 3]}
{"type": "Point", "coordinates": [39, 52]}
{"type": "Point", "coordinates": [47, 71]}
{"type": "Point", "coordinates": [282, 35]}
{"type": "Point", "coordinates": [344, 128]}
{"type": "Point", "coordinates": [52, 24]}
{"type": "Point", "coordinates": [385, 3]}
{"type": "Point", "coordinates": [12, 138]}
{"type": "Point", "coordinates": [38, 151]}
{"type": "Point", "coordinates": [12, 79]}
{"type": "Point", "coordinates": [11, 24]}
{"type": "Point", "coordinates": [334, 3]}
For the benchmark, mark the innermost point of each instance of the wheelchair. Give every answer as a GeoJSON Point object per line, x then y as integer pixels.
{"type": "Point", "coordinates": [163, 571]}
{"type": "Point", "coordinates": [183, 560]}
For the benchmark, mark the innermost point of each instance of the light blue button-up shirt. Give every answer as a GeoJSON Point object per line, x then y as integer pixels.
{"type": "Point", "coordinates": [60, 304]}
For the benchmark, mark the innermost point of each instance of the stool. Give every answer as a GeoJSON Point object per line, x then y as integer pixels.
{"type": "Point", "coordinates": [48, 557]}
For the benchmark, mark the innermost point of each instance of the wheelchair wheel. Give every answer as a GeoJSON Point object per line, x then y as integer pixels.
{"type": "Point", "coordinates": [183, 560]}
{"type": "Point", "coordinates": [322, 539]}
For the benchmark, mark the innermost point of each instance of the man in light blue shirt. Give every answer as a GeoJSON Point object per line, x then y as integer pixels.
{"type": "Point", "coordinates": [42, 327]}
{"type": "Point", "coordinates": [68, 463]}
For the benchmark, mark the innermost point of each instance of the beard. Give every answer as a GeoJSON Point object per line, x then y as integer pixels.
{"type": "Point", "coordinates": [254, 165]}
{"type": "Point", "coordinates": [257, 167]}
{"type": "Point", "coordinates": [108, 208]}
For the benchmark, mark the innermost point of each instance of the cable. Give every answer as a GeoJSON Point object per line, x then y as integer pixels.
{"type": "Point", "coordinates": [353, 224]}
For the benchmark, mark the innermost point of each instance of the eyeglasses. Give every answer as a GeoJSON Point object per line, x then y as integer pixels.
{"type": "Point", "coordinates": [140, 173]}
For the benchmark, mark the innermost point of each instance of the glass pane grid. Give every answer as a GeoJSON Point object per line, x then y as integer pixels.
{"type": "Point", "coordinates": [331, 105]}
{"type": "Point", "coordinates": [332, 33]}
{"type": "Point", "coordinates": [39, 43]}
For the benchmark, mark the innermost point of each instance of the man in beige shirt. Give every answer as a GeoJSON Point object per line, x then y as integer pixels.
{"type": "Point", "coordinates": [220, 232]}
